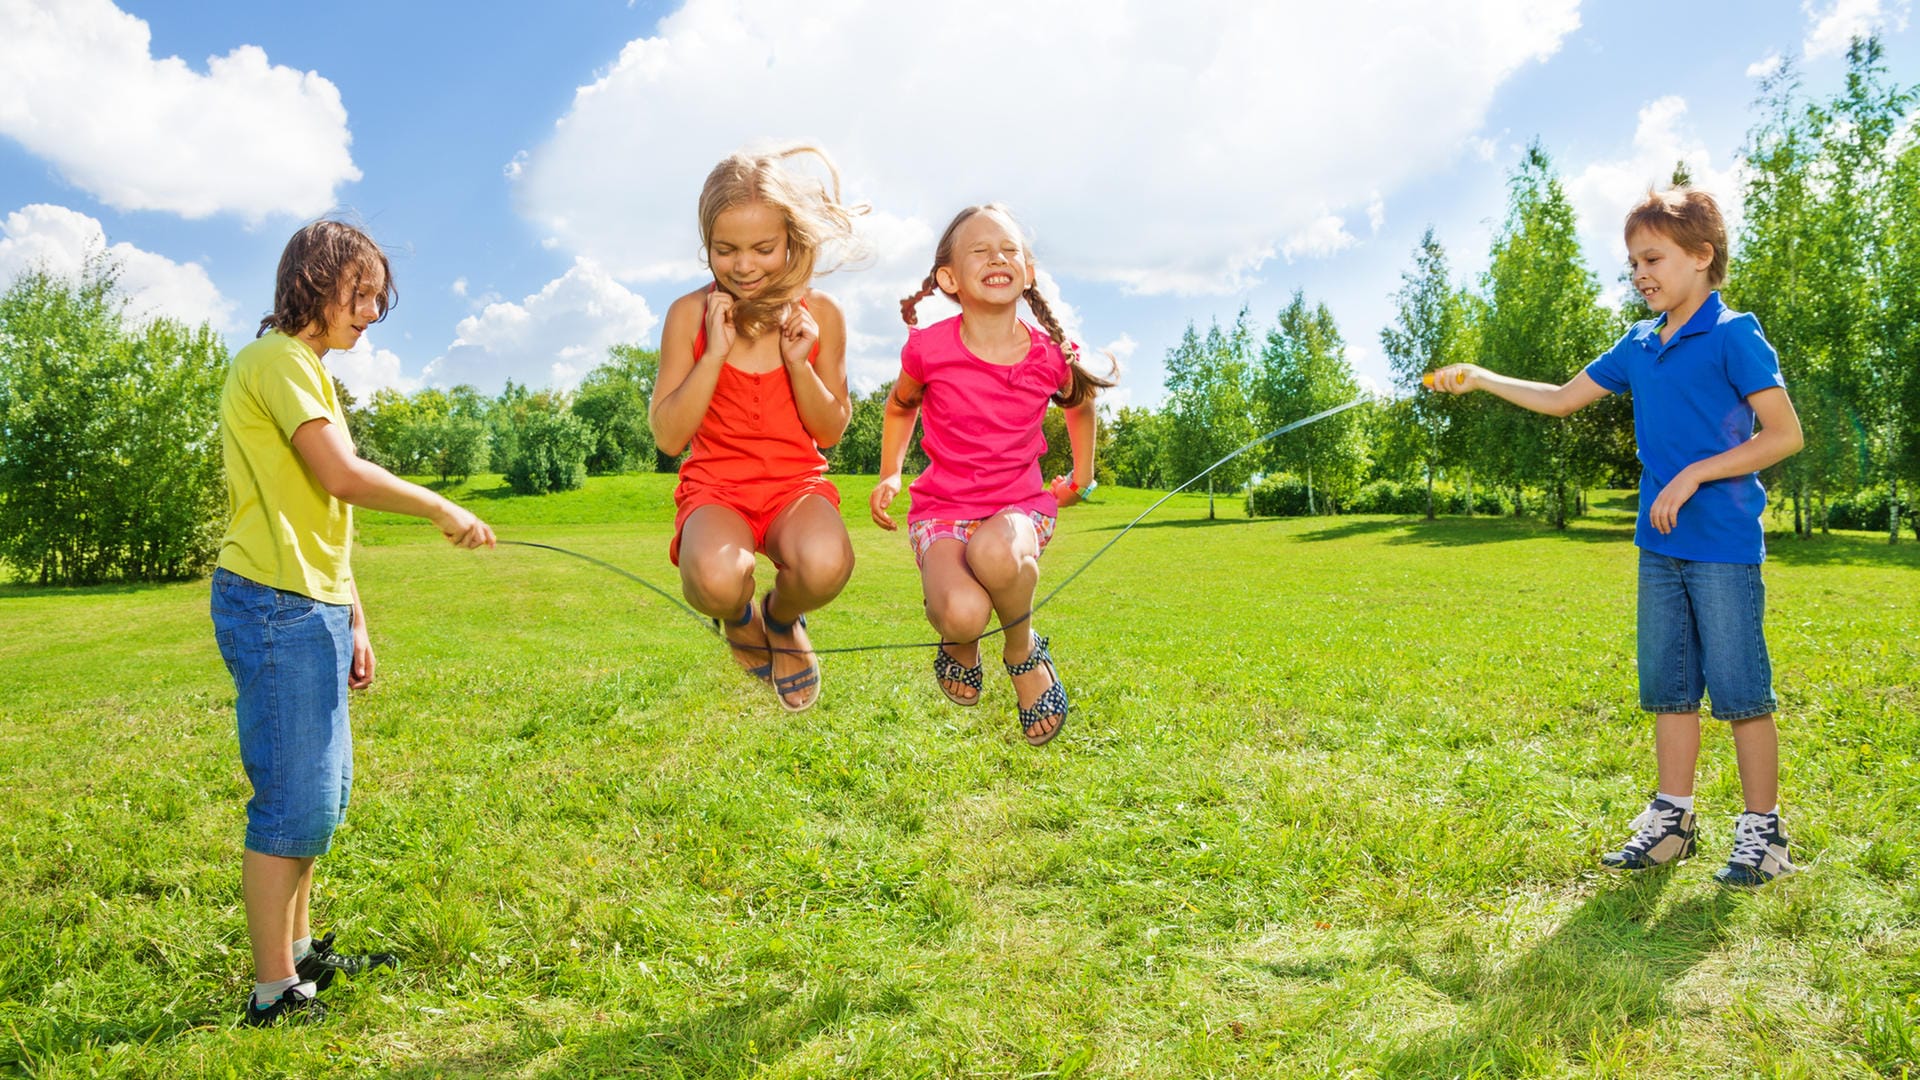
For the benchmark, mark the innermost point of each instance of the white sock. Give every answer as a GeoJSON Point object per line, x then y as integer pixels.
{"type": "Point", "coordinates": [302, 947]}
{"type": "Point", "coordinates": [1684, 802]}
{"type": "Point", "coordinates": [266, 993]}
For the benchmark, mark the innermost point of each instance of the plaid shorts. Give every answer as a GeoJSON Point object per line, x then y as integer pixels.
{"type": "Point", "coordinates": [922, 534]}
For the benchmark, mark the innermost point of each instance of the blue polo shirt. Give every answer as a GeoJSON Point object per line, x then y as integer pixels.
{"type": "Point", "coordinates": [1689, 404]}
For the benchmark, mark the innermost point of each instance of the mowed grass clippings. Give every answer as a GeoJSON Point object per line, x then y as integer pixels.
{"type": "Point", "coordinates": [1329, 803]}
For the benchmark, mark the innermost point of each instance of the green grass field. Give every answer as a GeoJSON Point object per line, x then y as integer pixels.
{"type": "Point", "coordinates": [1329, 805]}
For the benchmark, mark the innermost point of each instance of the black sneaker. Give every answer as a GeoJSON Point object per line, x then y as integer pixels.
{"type": "Point", "coordinates": [1663, 833]}
{"type": "Point", "coordinates": [320, 965]}
{"type": "Point", "coordinates": [291, 1007]}
{"type": "Point", "coordinates": [323, 963]}
{"type": "Point", "coordinates": [1759, 852]}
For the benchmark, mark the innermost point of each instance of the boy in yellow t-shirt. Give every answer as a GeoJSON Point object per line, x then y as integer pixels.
{"type": "Point", "coordinates": [286, 612]}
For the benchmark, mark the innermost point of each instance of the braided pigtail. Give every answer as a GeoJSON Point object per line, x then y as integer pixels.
{"type": "Point", "coordinates": [908, 307]}
{"type": "Point", "coordinates": [1083, 384]}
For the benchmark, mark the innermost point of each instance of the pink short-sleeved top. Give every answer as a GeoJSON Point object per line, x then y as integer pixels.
{"type": "Point", "coordinates": [981, 424]}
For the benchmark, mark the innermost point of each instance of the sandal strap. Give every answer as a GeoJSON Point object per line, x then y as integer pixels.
{"type": "Point", "coordinates": [799, 680]}
{"type": "Point", "coordinates": [1034, 659]}
{"type": "Point", "coordinates": [945, 667]}
{"type": "Point", "coordinates": [773, 624]}
{"type": "Point", "coordinates": [1051, 703]}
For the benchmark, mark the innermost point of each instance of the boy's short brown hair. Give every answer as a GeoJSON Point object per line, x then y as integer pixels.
{"type": "Point", "coordinates": [321, 263]}
{"type": "Point", "coordinates": [1689, 217]}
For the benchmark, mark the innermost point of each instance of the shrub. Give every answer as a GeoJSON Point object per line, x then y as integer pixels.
{"type": "Point", "coordinates": [549, 452]}
{"type": "Point", "coordinates": [1277, 496]}
{"type": "Point", "coordinates": [110, 461]}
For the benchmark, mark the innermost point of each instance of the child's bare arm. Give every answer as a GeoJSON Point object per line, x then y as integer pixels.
{"type": "Point", "coordinates": [819, 386]}
{"type": "Point", "coordinates": [352, 479]}
{"type": "Point", "coordinates": [1540, 397]}
{"type": "Point", "coordinates": [1081, 426]}
{"type": "Point", "coordinates": [1779, 438]}
{"type": "Point", "coordinates": [896, 430]}
{"type": "Point", "coordinates": [684, 387]}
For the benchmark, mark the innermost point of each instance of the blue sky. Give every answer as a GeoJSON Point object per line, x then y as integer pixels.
{"type": "Point", "coordinates": [534, 170]}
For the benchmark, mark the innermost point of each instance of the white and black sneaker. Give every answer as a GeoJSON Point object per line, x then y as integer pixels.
{"type": "Point", "coordinates": [292, 1007]}
{"type": "Point", "coordinates": [1663, 833]}
{"type": "Point", "coordinates": [1759, 852]}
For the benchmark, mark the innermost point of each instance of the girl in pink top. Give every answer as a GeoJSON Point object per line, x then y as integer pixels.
{"type": "Point", "coordinates": [982, 513]}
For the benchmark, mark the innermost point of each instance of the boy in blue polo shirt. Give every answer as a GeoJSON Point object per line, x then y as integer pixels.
{"type": "Point", "coordinates": [1700, 375]}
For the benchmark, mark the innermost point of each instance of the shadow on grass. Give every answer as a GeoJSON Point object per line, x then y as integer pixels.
{"type": "Point", "coordinates": [1465, 532]}
{"type": "Point", "coordinates": [1607, 969]}
{"type": "Point", "coordinates": [1837, 550]}
{"type": "Point", "coordinates": [1183, 523]}
{"type": "Point", "coordinates": [727, 1040]}
{"type": "Point", "coordinates": [21, 590]}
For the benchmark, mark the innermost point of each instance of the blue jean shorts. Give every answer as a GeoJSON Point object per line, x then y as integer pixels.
{"type": "Point", "coordinates": [289, 656]}
{"type": "Point", "coordinates": [1700, 636]}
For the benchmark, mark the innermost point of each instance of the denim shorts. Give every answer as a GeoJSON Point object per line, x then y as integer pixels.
{"type": "Point", "coordinates": [289, 656]}
{"type": "Point", "coordinates": [1700, 636]}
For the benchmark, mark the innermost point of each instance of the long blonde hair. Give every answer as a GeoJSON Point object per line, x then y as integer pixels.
{"type": "Point", "coordinates": [1085, 383]}
{"type": "Point", "coordinates": [816, 220]}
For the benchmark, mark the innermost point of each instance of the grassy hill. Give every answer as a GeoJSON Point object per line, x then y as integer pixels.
{"type": "Point", "coordinates": [1329, 804]}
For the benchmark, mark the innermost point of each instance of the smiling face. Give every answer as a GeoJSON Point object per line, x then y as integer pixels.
{"type": "Point", "coordinates": [748, 247]}
{"type": "Point", "coordinates": [348, 316]}
{"type": "Point", "coordinates": [1667, 275]}
{"type": "Point", "coordinates": [990, 267]}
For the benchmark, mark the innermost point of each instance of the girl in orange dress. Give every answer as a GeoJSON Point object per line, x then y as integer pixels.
{"type": "Point", "coordinates": [753, 376]}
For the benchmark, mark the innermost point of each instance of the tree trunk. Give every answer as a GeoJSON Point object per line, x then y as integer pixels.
{"type": "Point", "coordinates": [1311, 512]}
{"type": "Point", "coordinates": [1469, 492]}
{"type": "Point", "coordinates": [1429, 492]}
{"type": "Point", "coordinates": [1516, 500]}
{"type": "Point", "coordinates": [1209, 496]}
{"type": "Point", "coordinates": [1799, 518]}
{"type": "Point", "coordinates": [1893, 510]}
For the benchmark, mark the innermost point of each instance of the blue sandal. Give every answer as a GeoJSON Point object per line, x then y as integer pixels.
{"type": "Point", "coordinates": [1052, 702]}
{"type": "Point", "coordinates": [799, 680]}
{"type": "Point", "coordinates": [764, 672]}
{"type": "Point", "coordinates": [946, 669]}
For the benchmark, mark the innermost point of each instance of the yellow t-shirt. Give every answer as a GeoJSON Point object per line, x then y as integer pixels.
{"type": "Point", "coordinates": [286, 531]}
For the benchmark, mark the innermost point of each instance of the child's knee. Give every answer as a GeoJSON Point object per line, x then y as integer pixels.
{"type": "Point", "coordinates": [717, 586]}
{"type": "Point", "coordinates": [959, 614]}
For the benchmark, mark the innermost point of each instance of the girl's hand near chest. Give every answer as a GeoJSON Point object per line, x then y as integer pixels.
{"type": "Point", "coordinates": [720, 332]}
{"type": "Point", "coordinates": [799, 332]}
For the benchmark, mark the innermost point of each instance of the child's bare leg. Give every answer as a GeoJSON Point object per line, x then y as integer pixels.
{"type": "Point", "coordinates": [957, 605]}
{"type": "Point", "coordinates": [809, 541]}
{"type": "Point", "coordinates": [302, 897]}
{"type": "Point", "coordinates": [269, 887]}
{"type": "Point", "coordinates": [1004, 555]}
{"type": "Point", "coordinates": [1676, 748]}
{"type": "Point", "coordinates": [1756, 747]}
{"type": "Point", "coordinates": [716, 577]}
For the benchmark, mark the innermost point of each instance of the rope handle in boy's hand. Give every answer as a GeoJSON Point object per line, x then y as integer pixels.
{"type": "Point", "coordinates": [713, 629]}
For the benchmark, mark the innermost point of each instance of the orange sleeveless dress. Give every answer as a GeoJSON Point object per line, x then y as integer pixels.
{"type": "Point", "coordinates": [750, 454]}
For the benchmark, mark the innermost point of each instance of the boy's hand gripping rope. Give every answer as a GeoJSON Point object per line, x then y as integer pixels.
{"type": "Point", "coordinates": [708, 625]}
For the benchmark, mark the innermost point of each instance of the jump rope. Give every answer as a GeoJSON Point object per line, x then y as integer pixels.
{"type": "Point", "coordinates": [713, 627]}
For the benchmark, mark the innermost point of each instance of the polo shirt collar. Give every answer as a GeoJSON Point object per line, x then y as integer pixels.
{"type": "Point", "coordinates": [1702, 321]}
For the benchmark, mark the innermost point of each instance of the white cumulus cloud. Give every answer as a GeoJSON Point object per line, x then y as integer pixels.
{"type": "Point", "coordinates": [549, 339]}
{"type": "Point", "coordinates": [60, 241]}
{"type": "Point", "coordinates": [81, 89]}
{"type": "Point", "coordinates": [1158, 148]}
{"type": "Point", "coordinates": [367, 367]}
{"type": "Point", "coordinates": [1831, 27]}
{"type": "Point", "coordinates": [1604, 191]}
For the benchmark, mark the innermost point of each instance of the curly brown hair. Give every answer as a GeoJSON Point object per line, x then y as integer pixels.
{"type": "Point", "coordinates": [324, 262]}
